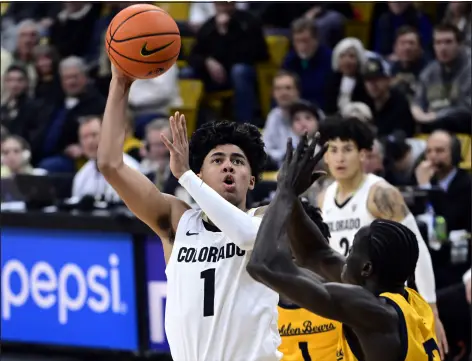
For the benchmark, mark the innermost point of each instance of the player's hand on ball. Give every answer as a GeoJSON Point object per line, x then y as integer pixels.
{"type": "Point", "coordinates": [178, 148]}
{"type": "Point", "coordinates": [296, 172]}
{"type": "Point", "coordinates": [121, 77]}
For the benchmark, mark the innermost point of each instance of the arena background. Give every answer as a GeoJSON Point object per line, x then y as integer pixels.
{"type": "Point", "coordinates": [55, 75]}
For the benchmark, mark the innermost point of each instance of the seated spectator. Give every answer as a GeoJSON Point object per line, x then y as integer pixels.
{"type": "Point", "coordinates": [346, 85]}
{"type": "Point", "coordinates": [227, 48]}
{"type": "Point", "coordinates": [57, 141]}
{"type": "Point", "coordinates": [409, 61]}
{"type": "Point", "coordinates": [305, 117]}
{"type": "Point", "coordinates": [329, 22]}
{"type": "Point", "coordinates": [286, 90]}
{"type": "Point", "coordinates": [200, 13]}
{"type": "Point", "coordinates": [398, 15]}
{"type": "Point", "coordinates": [360, 111]}
{"type": "Point", "coordinates": [27, 39]}
{"type": "Point", "coordinates": [146, 103]}
{"type": "Point", "coordinates": [16, 156]}
{"type": "Point", "coordinates": [454, 302]}
{"type": "Point", "coordinates": [390, 109]}
{"type": "Point", "coordinates": [402, 155]}
{"type": "Point", "coordinates": [441, 169]}
{"type": "Point", "coordinates": [155, 162]}
{"type": "Point", "coordinates": [89, 181]}
{"type": "Point", "coordinates": [459, 14]}
{"type": "Point", "coordinates": [40, 12]}
{"type": "Point", "coordinates": [374, 160]}
{"type": "Point", "coordinates": [5, 61]}
{"type": "Point", "coordinates": [48, 88]}
{"type": "Point", "coordinates": [18, 112]}
{"type": "Point", "coordinates": [73, 28]}
{"type": "Point", "coordinates": [443, 96]}
{"type": "Point", "coordinates": [309, 59]}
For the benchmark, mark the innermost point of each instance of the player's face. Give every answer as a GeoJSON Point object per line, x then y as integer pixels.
{"type": "Point", "coordinates": [344, 159]}
{"type": "Point", "coordinates": [227, 170]}
{"type": "Point", "coordinates": [358, 266]}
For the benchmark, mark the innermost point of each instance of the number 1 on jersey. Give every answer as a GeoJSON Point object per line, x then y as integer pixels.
{"type": "Point", "coordinates": [304, 349]}
{"type": "Point", "coordinates": [208, 292]}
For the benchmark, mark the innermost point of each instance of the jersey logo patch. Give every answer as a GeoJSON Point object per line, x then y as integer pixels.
{"type": "Point", "coordinates": [190, 233]}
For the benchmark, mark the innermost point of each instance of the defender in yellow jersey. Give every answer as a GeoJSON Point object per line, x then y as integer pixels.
{"type": "Point", "coordinates": [381, 319]}
{"type": "Point", "coordinates": [306, 336]}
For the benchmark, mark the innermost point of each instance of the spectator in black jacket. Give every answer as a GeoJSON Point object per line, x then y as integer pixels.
{"type": "Point", "coordinates": [390, 107]}
{"type": "Point", "coordinates": [48, 85]}
{"type": "Point", "coordinates": [441, 169]}
{"type": "Point", "coordinates": [18, 112]}
{"type": "Point", "coordinates": [227, 48]}
{"type": "Point", "coordinates": [57, 142]}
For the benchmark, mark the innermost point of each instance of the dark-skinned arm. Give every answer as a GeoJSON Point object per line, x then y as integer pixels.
{"type": "Point", "coordinates": [271, 263]}
{"type": "Point", "coordinates": [310, 248]}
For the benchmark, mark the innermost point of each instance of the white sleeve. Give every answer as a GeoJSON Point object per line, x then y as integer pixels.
{"type": "Point", "coordinates": [237, 225]}
{"type": "Point", "coordinates": [467, 276]}
{"type": "Point", "coordinates": [424, 274]}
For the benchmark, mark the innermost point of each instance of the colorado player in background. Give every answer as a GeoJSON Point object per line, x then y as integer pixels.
{"type": "Point", "coordinates": [307, 336]}
{"type": "Point", "coordinates": [215, 311]}
{"type": "Point", "coordinates": [382, 320]}
{"type": "Point", "coordinates": [356, 199]}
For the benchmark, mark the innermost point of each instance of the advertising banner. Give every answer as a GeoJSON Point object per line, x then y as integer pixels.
{"type": "Point", "coordinates": [157, 292]}
{"type": "Point", "coordinates": [68, 288]}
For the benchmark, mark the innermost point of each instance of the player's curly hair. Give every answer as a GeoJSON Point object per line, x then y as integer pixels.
{"type": "Point", "coordinates": [315, 215]}
{"type": "Point", "coordinates": [246, 136]}
{"type": "Point", "coordinates": [393, 249]}
{"type": "Point", "coordinates": [346, 129]}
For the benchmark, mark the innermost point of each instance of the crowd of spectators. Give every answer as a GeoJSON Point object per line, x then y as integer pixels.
{"type": "Point", "coordinates": [416, 79]}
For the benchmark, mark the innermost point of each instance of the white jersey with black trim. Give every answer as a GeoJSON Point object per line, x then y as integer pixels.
{"type": "Point", "coordinates": [215, 311]}
{"type": "Point", "coordinates": [344, 220]}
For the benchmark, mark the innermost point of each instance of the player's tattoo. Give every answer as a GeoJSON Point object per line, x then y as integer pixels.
{"type": "Point", "coordinates": [390, 203]}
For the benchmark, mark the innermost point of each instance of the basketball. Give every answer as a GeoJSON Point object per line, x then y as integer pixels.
{"type": "Point", "coordinates": [143, 41]}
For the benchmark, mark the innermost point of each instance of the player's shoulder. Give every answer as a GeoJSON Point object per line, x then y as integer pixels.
{"type": "Point", "coordinates": [381, 186]}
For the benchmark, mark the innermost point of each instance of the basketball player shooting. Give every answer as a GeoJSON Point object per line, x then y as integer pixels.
{"type": "Point", "coordinates": [381, 318]}
{"type": "Point", "coordinates": [356, 199]}
{"type": "Point", "coordinates": [215, 311]}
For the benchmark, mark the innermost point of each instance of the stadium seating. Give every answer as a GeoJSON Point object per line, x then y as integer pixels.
{"type": "Point", "coordinates": [191, 92]}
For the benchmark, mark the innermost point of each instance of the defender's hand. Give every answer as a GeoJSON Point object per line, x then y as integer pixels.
{"type": "Point", "coordinates": [178, 148]}
{"type": "Point", "coordinates": [296, 172]}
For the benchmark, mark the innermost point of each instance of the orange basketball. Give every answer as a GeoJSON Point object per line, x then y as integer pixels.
{"type": "Point", "coordinates": [143, 41]}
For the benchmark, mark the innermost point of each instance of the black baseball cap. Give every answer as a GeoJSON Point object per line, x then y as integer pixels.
{"type": "Point", "coordinates": [304, 106]}
{"type": "Point", "coordinates": [375, 68]}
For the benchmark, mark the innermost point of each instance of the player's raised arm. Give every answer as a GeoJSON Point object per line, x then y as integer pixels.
{"type": "Point", "coordinates": [161, 212]}
{"type": "Point", "coordinates": [271, 263]}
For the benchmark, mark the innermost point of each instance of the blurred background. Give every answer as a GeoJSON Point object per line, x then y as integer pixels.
{"type": "Point", "coordinates": [402, 67]}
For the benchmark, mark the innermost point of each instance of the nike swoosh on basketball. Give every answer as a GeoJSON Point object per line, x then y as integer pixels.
{"type": "Point", "coordinates": [146, 52]}
{"type": "Point", "coordinates": [190, 234]}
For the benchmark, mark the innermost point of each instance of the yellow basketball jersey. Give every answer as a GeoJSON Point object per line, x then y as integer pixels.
{"type": "Point", "coordinates": [416, 321]}
{"type": "Point", "coordinates": [306, 336]}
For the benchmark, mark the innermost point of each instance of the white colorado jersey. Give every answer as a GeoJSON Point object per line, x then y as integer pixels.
{"type": "Point", "coordinates": [215, 311]}
{"type": "Point", "coordinates": [344, 220]}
